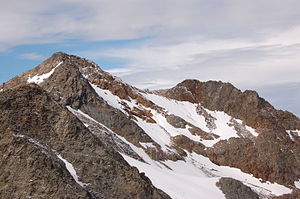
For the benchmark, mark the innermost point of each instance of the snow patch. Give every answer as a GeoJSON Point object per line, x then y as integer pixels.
{"type": "Point", "coordinates": [40, 78]}
{"type": "Point", "coordinates": [18, 135]}
{"type": "Point", "coordinates": [72, 171]}
{"type": "Point", "coordinates": [82, 113]}
{"type": "Point", "coordinates": [292, 133]}
{"type": "Point", "coordinates": [147, 145]}
{"type": "Point", "coordinates": [297, 184]}
{"type": "Point", "coordinates": [223, 129]}
{"type": "Point", "coordinates": [110, 98]}
{"type": "Point", "coordinates": [33, 141]}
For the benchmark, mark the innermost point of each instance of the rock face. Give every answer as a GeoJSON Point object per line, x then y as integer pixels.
{"type": "Point", "coordinates": [36, 131]}
{"type": "Point", "coordinates": [77, 116]}
{"type": "Point", "coordinates": [234, 189]}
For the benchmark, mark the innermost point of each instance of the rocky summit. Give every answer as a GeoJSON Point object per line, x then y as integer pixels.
{"type": "Point", "coordinates": [71, 130]}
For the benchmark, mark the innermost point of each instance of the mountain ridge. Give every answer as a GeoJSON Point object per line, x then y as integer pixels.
{"type": "Point", "coordinates": [149, 126]}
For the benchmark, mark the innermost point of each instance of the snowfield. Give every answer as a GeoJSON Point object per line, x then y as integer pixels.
{"type": "Point", "coordinates": [196, 176]}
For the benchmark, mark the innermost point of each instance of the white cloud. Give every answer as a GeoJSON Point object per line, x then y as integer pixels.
{"type": "Point", "coordinates": [35, 21]}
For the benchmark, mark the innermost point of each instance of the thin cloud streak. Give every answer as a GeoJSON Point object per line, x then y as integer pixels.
{"type": "Point", "coordinates": [32, 56]}
{"type": "Point", "coordinates": [245, 64]}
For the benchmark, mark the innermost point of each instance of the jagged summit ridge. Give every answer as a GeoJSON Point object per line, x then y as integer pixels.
{"type": "Point", "coordinates": [184, 132]}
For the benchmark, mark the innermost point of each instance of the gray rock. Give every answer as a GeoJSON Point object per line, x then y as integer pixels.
{"type": "Point", "coordinates": [176, 121]}
{"type": "Point", "coordinates": [234, 189]}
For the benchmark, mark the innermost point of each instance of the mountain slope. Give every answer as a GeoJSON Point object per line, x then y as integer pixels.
{"type": "Point", "coordinates": [183, 138]}
{"type": "Point", "coordinates": [281, 148]}
{"type": "Point", "coordinates": [44, 147]}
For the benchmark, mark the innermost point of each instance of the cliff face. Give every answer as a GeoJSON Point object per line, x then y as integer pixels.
{"type": "Point", "coordinates": [70, 110]}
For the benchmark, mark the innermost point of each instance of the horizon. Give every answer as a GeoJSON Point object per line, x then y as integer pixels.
{"type": "Point", "coordinates": [253, 45]}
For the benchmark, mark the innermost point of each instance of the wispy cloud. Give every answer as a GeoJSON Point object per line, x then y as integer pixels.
{"type": "Point", "coordinates": [246, 64]}
{"type": "Point", "coordinates": [35, 21]}
{"type": "Point", "coordinates": [32, 56]}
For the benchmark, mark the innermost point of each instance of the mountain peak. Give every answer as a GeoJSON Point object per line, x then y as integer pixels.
{"type": "Point", "coordinates": [62, 56]}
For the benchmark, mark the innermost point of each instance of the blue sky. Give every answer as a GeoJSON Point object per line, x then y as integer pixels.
{"type": "Point", "coordinates": [21, 58]}
{"type": "Point", "coordinates": [156, 44]}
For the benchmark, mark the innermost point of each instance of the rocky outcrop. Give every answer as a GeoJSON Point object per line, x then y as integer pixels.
{"type": "Point", "coordinates": [234, 189]}
{"type": "Point", "coordinates": [181, 143]}
{"type": "Point", "coordinates": [37, 134]}
{"type": "Point", "coordinates": [178, 122]}
{"type": "Point", "coordinates": [210, 120]}
{"type": "Point", "coordinates": [265, 158]}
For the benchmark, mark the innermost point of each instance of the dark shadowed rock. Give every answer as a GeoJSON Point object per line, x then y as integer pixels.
{"type": "Point", "coordinates": [234, 189]}
{"type": "Point", "coordinates": [176, 121]}
{"type": "Point", "coordinates": [181, 142]}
